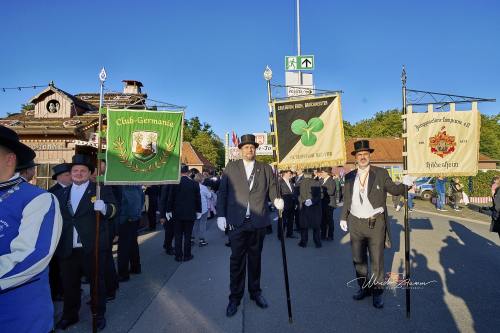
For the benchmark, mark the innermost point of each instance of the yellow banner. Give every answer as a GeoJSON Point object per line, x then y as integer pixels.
{"type": "Point", "coordinates": [443, 143]}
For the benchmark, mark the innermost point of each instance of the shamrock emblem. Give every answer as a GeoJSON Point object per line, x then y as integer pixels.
{"type": "Point", "coordinates": [306, 130]}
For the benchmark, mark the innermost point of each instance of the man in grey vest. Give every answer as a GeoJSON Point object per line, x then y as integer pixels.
{"type": "Point", "coordinates": [242, 207]}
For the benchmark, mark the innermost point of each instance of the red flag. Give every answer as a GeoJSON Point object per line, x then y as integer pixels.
{"type": "Point", "coordinates": [235, 139]}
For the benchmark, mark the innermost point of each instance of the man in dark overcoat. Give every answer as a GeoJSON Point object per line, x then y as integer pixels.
{"type": "Point", "coordinates": [242, 207]}
{"type": "Point", "coordinates": [310, 209]}
{"type": "Point", "coordinates": [76, 248]}
{"type": "Point", "coordinates": [365, 212]}
{"type": "Point", "coordinates": [328, 203]}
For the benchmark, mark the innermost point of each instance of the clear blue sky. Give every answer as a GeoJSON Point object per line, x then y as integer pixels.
{"type": "Point", "coordinates": [210, 55]}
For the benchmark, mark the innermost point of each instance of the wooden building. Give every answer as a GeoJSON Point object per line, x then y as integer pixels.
{"type": "Point", "coordinates": [60, 124]}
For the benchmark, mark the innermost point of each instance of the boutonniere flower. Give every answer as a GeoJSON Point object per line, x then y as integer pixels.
{"type": "Point", "coordinates": [378, 188]}
{"type": "Point", "coordinates": [93, 199]}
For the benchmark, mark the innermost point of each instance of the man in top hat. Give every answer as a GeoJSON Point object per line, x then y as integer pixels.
{"type": "Point", "coordinates": [62, 176]}
{"type": "Point", "coordinates": [328, 203]}
{"type": "Point", "coordinates": [30, 226]}
{"type": "Point", "coordinates": [242, 207]}
{"type": "Point", "coordinates": [365, 212]}
{"type": "Point", "coordinates": [76, 249]}
{"type": "Point", "coordinates": [27, 170]}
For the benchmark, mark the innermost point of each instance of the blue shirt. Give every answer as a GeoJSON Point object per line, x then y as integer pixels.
{"type": "Point", "coordinates": [441, 185]}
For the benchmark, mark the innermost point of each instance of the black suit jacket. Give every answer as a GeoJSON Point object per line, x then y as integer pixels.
{"type": "Point", "coordinates": [328, 193]}
{"type": "Point", "coordinates": [379, 183]}
{"type": "Point", "coordinates": [234, 194]}
{"type": "Point", "coordinates": [55, 188]}
{"type": "Point", "coordinates": [287, 195]}
{"type": "Point", "coordinates": [83, 219]}
{"type": "Point", "coordinates": [184, 200]}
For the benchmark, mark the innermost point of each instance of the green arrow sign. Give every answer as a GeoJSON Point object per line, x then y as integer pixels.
{"type": "Point", "coordinates": [297, 63]}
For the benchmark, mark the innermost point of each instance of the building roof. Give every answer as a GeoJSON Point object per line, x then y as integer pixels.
{"type": "Point", "coordinates": [115, 100]}
{"type": "Point", "coordinates": [191, 156]}
{"type": "Point", "coordinates": [390, 150]}
{"type": "Point", "coordinates": [73, 99]}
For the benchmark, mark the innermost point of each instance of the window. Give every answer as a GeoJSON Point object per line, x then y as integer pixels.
{"type": "Point", "coordinates": [43, 176]}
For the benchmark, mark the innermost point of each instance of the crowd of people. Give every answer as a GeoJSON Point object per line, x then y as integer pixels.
{"type": "Point", "coordinates": [54, 241]}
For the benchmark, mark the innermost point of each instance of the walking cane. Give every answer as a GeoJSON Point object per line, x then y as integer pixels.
{"type": "Point", "coordinates": [268, 75]}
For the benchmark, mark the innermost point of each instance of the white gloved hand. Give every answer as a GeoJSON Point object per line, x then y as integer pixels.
{"type": "Point", "coordinates": [168, 215]}
{"type": "Point", "coordinates": [408, 180]}
{"type": "Point", "coordinates": [221, 223]}
{"type": "Point", "coordinates": [343, 225]}
{"type": "Point", "coordinates": [198, 216]}
{"type": "Point", "coordinates": [308, 202]}
{"type": "Point", "coordinates": [100, 206]}
{"type": "Point", "coordinates": [279, 203]}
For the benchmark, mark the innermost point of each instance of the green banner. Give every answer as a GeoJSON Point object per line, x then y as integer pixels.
{"type": "Point", "coordinates": [143, 147]}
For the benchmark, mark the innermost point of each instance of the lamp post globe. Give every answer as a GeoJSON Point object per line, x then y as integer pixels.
{"type": "Point", "coordinates": [268, 74]}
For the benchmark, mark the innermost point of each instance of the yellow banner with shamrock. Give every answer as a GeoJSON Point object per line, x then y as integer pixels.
{"type": "Point", "coordinates": [443, 143]}
{"type": "Point", "coordinates": [309, 132]}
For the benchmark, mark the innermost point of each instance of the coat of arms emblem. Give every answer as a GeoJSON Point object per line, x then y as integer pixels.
{"type": "Point", "coordinates": [144, 145]}
{"type": "Point", "coordinates": [442, 144]}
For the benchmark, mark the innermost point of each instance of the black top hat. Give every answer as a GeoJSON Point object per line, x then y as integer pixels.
{"type": "Point", "coordinates": [60, 168]}
{"type": "Point", "coordinates": [361, 145]}
{"type": "Point", "coordinates": [80, 159]}
{"type": "Point", "coordinates": [248, 139]}
{"type": "Point", "coordinates": [29, 164]}
{"type": "Point", "coordinates": [10, 140]}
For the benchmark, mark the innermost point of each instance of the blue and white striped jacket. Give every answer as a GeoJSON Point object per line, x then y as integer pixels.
{"type": "Point", "coordinates": [30, 227]}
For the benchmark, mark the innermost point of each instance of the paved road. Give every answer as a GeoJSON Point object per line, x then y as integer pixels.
{"type": "Point", "coordinates": [456, 257]}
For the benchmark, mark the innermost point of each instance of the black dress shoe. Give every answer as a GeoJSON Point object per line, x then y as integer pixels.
{"type": "Point", "coordinates": [101, 323]}
{"type": "Point", "coordinates": [178, 259]}
{"type": "Point", "coordinates": [122, 278]}
{"type": "Point", "coordinates": [361, 293]}
{"type": "Point", "coordinates": [228, 244]}
{"type": "Point", "coordinates": [378, 301]}
{"type": "Point", "coordinates": [135, 270]}
{"type": "Point", "coordinates": [291, 236]}
{"type": "Point", "coordinates": [170, 252]}
{"type": "Point", "coordinates": [329, 238]}
{"type": "Point", "coordinates": [232, 308]}
{"type": "Point", "coordinates": [63, 324]}
{"type": "Point", "coordinates": [110, 297]}
{"type": "Point", "coordinates": [302, 244]}
{"type": "Point", "coordinates": [188, 258]}
{"type": "Point", "coordinates": [260, 301]}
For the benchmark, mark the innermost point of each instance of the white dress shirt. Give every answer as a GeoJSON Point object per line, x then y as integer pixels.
{"type": "Point", "coordinates": [287, 182]}
{"type": "Point", "coordinates": [362, 210]}
{"type": "Point", "coordinates": [76, 195]}
{"type": "Point", "coordinates": [249, 165]}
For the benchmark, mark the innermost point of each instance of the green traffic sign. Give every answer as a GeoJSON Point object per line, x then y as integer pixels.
{"type": "Point", "coordinates": [297, 63]}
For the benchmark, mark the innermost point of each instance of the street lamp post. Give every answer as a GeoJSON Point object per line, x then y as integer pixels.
{"type": "Point", "coordinates": [268, 75]}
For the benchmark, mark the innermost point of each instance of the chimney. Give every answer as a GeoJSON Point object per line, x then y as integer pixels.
{"type": "Point", "coordinates": [132, 87]}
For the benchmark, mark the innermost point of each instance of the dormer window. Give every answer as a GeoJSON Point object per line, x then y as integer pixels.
{"type": "Point", "coordinates": [53, 106]}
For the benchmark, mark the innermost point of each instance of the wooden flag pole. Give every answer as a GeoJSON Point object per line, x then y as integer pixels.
{"type": "Point", "coordinates": [268, 75]}
{"type": "Point", "coordinates": [406, 222]}
{"type": "Point", "coordinates": [95, 291]}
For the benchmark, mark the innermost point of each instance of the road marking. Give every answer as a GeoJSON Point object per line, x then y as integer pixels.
{"type": "Point", "coordinates": [449, 216]}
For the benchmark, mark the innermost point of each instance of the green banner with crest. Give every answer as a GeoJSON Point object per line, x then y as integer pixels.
{"type": "Point", "coordinates": [143, 147]}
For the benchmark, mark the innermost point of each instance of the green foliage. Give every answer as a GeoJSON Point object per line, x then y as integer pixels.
{"type": "Point", "coordinates": [204, 140]}
{"type": "Point", "coordinates": [481, 183]}
{"type": "Point", "coordinates": [383, 124]}
{"type": "Point", "coordinates": [27, 107]}
{"type": "Point", "coordinates": [264, 159]}
{"type": "Point", "coordinates": [489, 144]}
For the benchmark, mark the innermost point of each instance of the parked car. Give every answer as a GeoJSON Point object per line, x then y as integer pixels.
{"type": "Point", "coordinates": [424, 187]}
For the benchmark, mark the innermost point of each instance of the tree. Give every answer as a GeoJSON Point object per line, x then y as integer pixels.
{"type": "Point", "coordinates": [204, 140]}
{"type": "Point", "coordinates": [489, 142]}
{"type": "Point", "coordinates": [383, 124]}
